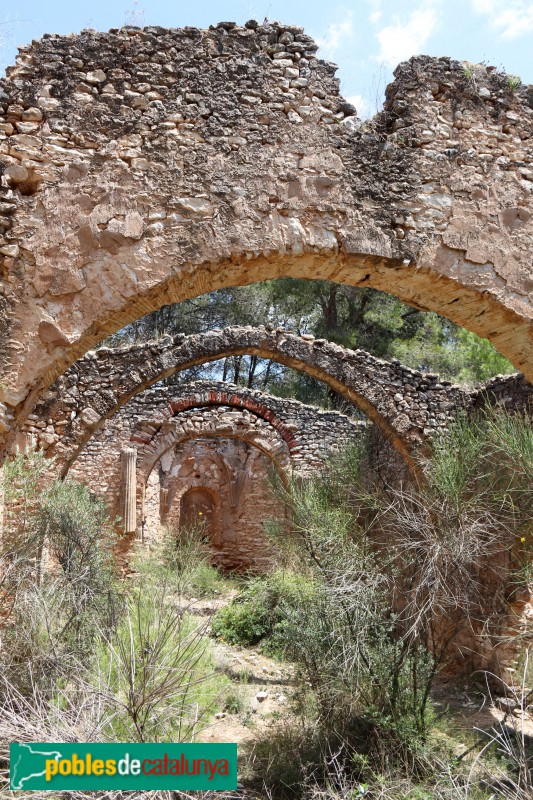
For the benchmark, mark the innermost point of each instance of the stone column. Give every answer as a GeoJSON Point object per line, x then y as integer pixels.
{"type": "Point", "coordinates": [128, 489]}
{"type": "Point", "coordinates": [2, 508]}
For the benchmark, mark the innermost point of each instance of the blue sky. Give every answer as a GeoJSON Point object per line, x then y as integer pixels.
{"type": "Point", "coordinates": [366, 38]}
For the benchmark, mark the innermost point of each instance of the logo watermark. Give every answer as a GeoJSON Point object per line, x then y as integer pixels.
{"type": "Point", "coordinates": [88, 766]}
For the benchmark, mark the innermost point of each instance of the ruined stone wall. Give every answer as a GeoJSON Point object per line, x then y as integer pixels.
{"type": "Point", "coordinates": [231, 434]}
{"type": "Point", "coordinates": [236, 475]}
{"type": "Point", "coordinates": [307, 432]}
{"type": "Point", "coordinates": [511, 392]}
{"type": "Point", "coordinates": [141, 167]}
{"type": "Point", "coordinates": [408, 406]}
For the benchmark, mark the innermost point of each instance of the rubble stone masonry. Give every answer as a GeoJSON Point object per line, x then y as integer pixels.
{"type": "Point", "coordinates": [216, 437]}
{"type": "Point", "coordinates": [408, 406]}
{"type": "Point", "coordinates": [144, 166]}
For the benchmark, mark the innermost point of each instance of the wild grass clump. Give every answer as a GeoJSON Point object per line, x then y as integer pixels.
{"type": "Point", "coordinates": [512, 773]}
{"type": "Point", "coordinates": [183, 560]}
{"type": "Point", "coordinates": [400, 581]}
{"type": "Point", "coordinates": [156, 672]}
{"type": "Point", "coordinates": [84, 657]}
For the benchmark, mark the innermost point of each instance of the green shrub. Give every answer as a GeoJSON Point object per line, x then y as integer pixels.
{"type": "Point", "coordinates": [244, 622]}
{"type": "Point", "coordinates": [56, 614]}
{"type": "Point", "coordinates": [80, 535]}
{"type": "Point", "coordinates": [235, 702]}
{"type": "Point", "coordinates": [342, 635]}
{"type": "Point", "coordinates": [20, 541]}
{"type": "Point", "coordinates": [82, 652]}
{"type": "Point", "coordinates": [205, 580]}
{"type": "Point", "coordinates": [258, 613]}
{"type": "Point", "coordinates": [395, 578]}
{"type": "Point", "coordinates": [513, 83]}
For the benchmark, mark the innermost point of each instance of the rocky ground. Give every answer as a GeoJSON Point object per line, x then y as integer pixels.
{"type": "Point", "coordinates": [264, 686]}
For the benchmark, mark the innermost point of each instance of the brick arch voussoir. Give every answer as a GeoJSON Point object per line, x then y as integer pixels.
{"type": "Point", "coordinates": [234, 400]}
{"type": "Point", "coordinates": [164, 437]}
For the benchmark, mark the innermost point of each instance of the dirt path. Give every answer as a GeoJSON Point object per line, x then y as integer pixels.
{"type": "Point", "coordinates": [262, 685]}
{"type": "Point", "coordinates": [472, 710]}
{"type": "Point", "coordinates": [263, 688]}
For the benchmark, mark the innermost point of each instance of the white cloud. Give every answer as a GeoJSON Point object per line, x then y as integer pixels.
{"type": "Point", "coordinates": [376, 12]}
{"type": "Point", "coordinates": [401, 40]}
{"type": "Point", "coordinates": [511, 21]}
{"type": "Point", "coordinates": [335, 36]}
{"type": "Point", "coordinates": [362, 106]}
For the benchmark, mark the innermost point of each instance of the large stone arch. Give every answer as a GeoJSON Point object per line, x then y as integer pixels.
{"type": "Point", "coordinates": [407, 405]}
{"type": "Point", "coordinates": [142, 167]}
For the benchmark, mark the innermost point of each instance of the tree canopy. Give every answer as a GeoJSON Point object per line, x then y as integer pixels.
{"type": "Point", "coordinates": [351, 316]}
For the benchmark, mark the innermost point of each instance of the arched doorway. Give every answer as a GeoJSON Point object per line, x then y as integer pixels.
{"type": "Point", "coordinates": [200, 512]}
{"type": "Point", "coordinates": [217, 482]}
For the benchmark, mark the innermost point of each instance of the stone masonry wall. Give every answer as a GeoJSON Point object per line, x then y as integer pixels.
{"type": "Point", "coordinates": [407, 405]}
{"type": "Point", "coordinates": [306, 432]}
{"type": "Point", "coordinates": [144, 166]}
{"type": "Point", "coordinates": [235, 474]}
{"type": "Point", "coordinates": [198, 421]}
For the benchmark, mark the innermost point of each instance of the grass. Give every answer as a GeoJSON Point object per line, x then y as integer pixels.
{"type": "Point", "coordinates": [513, 83]}
{"type": "Point", "coordinates": [183, 563]}
{"type": "Point", "coordinates": [156, 669]}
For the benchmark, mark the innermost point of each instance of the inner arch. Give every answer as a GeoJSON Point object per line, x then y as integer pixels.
{"type": "Point", "coordinates": [424, 289]}
{"type": "Point", "coordinates": [368, 382]}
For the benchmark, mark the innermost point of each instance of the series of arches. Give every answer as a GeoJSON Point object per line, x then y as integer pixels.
{"type": "Point", "coordinates": [145, 460]}
{"type": "Point", "coordinates": [405, 404]}
{"type": "Point", "coordinates": [408, 406]}
{"type": "Point", "coordinates": [168, 434]}
{"type": "Point", "coordinates": [230, 478]}
{"type": "Point", "coordinates": [130, 203]}
{"type": "Point", "coordinates": [289, 434]}
{"type": "Point", "coordinates": [230, 168]}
